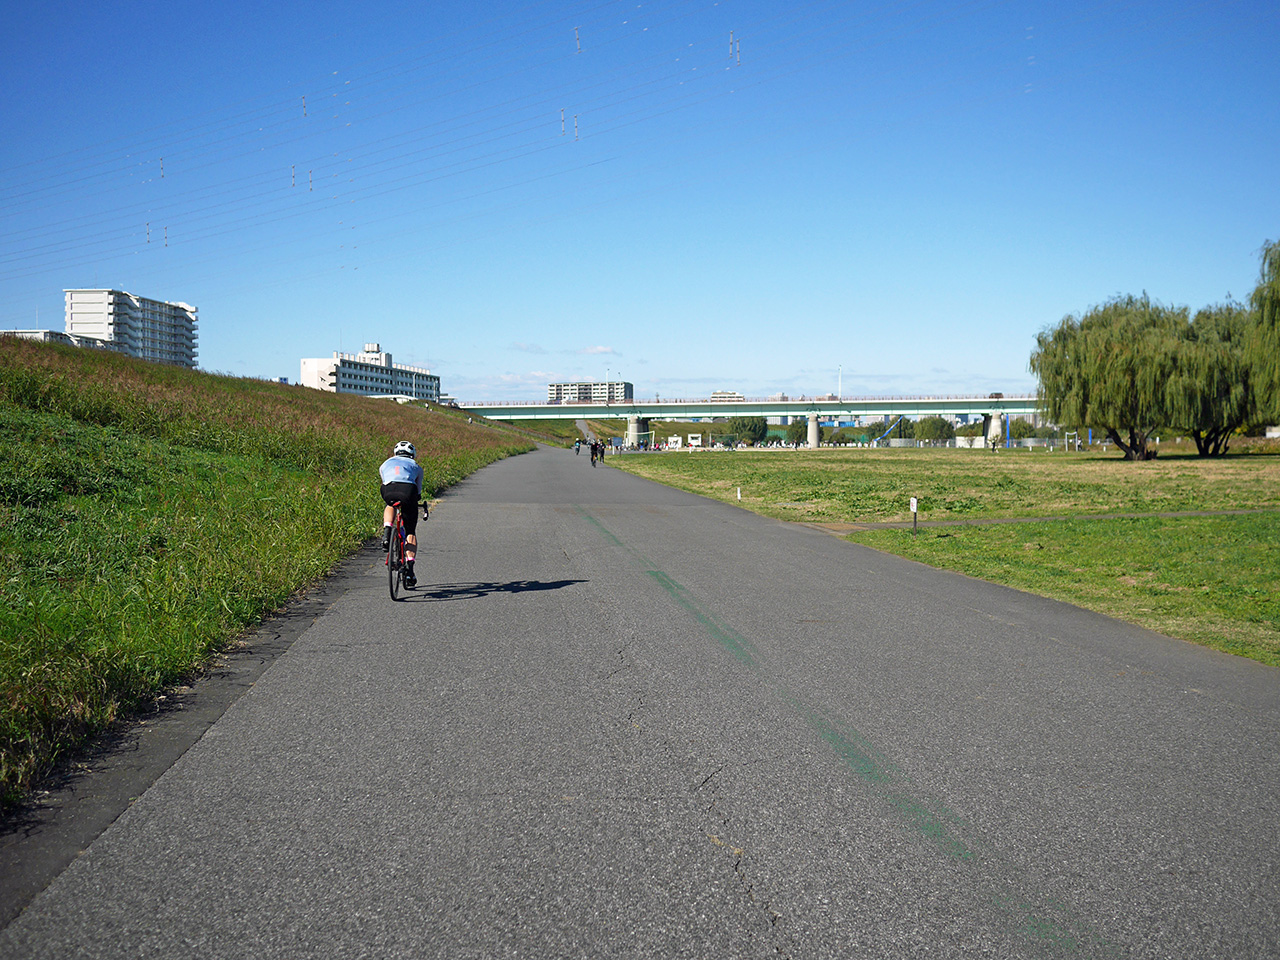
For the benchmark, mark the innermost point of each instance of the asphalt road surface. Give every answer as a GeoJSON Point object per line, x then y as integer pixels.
{"type": "Point", "coordinates": [617, 720]}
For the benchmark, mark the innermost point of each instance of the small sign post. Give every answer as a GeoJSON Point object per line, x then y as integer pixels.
{"type": "Point", "coordinates": [913, 516]}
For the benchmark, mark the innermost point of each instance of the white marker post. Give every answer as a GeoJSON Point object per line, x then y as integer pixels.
{"type": "Point", "coordinates": [913, 516]}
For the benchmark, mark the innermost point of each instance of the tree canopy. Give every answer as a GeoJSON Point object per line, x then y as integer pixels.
{"type": "Point", "coordinates": [752, 429]}
{"type": "Point", "coordinates": [1210, 391]}
{"type": "Point", "coordinates": [1021, 429]}
{"type": "Point", "coordinates": [1107, 369]}
{"type": "Point", "coordinates": [1265, 302]}
{"type": "Point", "coordinates": [934, 428]}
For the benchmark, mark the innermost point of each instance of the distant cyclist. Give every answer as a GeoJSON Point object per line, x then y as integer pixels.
{"type": "Point", "coordinates": [402, 481]}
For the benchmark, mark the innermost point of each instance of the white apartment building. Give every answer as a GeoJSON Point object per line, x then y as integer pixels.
{"type": "Point", "coordinates": [149, 329]}
{"type": "Point", "coordinates": [370, 373]}
{"type": "Point", "coordinates": [590, 391]}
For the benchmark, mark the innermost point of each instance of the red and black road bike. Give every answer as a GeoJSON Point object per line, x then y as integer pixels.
{"type": "Point", "coordinates": [396, 546]}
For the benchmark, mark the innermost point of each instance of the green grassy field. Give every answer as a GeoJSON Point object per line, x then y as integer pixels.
{"type": "Point", "coordinates": [1210, 580]}
{"type": "Point", "coordinates": [148, 514]}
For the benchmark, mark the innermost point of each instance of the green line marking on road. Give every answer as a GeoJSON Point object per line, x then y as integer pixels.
{"type": "Point", "coordinates": [873, 768]}
{"type": "Point", "coordinates": [854, 749]}
{"type": "Point", "coordinates": [727, 637]}
{"type": "Point", "coordinates": [608, 534]}
{"type": "Point", "coordinates": [870, 765]}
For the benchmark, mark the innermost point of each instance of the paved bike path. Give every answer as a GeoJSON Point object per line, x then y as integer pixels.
{"type": "Point", "coordinates": [620, 720]}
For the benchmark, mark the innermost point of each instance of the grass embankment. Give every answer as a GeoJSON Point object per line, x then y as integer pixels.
{"type": "Point", "coordinates": [605, 429]}
{"type": "Point", "coordinates": [559, 432]}
{"type": "Point", "coordinates": [1211, 580]}
{"type": "Point", "coordinates": [149, 514]}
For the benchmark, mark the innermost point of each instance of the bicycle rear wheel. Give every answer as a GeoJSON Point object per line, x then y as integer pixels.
{"type": "Point", "coordinates": [395, 557]}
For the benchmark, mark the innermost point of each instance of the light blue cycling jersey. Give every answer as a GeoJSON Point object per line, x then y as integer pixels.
{"type": "Point", "coordinates": [401, 470]}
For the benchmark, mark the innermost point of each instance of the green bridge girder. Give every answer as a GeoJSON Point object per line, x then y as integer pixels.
{"type": "Point", "coordinates": [914, 407]}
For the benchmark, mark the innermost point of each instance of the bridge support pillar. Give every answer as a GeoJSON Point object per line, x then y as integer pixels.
{"type": "Point", "coordinates": [635, 427]}
{"type": "Point", "coordinates": [815, 433]}
{"type": "Point", "coordinates": [993, 427]}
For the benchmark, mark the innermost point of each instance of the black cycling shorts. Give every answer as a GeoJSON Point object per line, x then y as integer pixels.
{"type": "Point", "coordinates": [407, 494]}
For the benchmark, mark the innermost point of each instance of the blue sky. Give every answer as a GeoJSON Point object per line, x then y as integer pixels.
{"type": "Point", "coordinates": [892, 197]}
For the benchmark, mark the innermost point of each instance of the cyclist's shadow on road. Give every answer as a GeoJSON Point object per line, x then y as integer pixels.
{"type": "Point", "coordinates": [466, 591]}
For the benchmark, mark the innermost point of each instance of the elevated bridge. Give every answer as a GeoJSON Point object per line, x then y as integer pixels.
{"type": "Point", "coordinates": [637, 413]}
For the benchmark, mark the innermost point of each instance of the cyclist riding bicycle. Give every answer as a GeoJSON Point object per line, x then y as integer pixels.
{"type": "Point", "coordinates": [402, 482]}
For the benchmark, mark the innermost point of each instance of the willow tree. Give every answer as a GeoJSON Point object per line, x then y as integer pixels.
{"type": "Point", "coordinates": [1210, 391]}
{"type": "Point", "coordinates": [1108, 369]}
{"type": "Point", "coordinates": [1266, 350]}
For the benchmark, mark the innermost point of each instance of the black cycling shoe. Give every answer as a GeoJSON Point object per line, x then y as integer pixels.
{"type": "Point", "coordinates": [386, 539]}
{"type": "Point", "coordinates": [410, 581]}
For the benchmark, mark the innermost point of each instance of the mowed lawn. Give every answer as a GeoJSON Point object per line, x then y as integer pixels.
{"type": "Point", "coordinates": [1207, 579]}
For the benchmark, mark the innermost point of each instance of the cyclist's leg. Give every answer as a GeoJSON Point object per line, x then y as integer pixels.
{"type": "Point", "coordinates": [388, 517]}
{"type": "Point", "coordinates": [389, 496]}
{"type": "Point", "coordinates": [409, 517]}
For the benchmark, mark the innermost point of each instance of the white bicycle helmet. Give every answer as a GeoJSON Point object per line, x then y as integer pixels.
{"type": "Point", "coordinates": [405, 449]}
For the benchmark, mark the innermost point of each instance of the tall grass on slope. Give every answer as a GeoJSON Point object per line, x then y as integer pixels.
{"type": "Point", "coordinates": [148, 514]}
